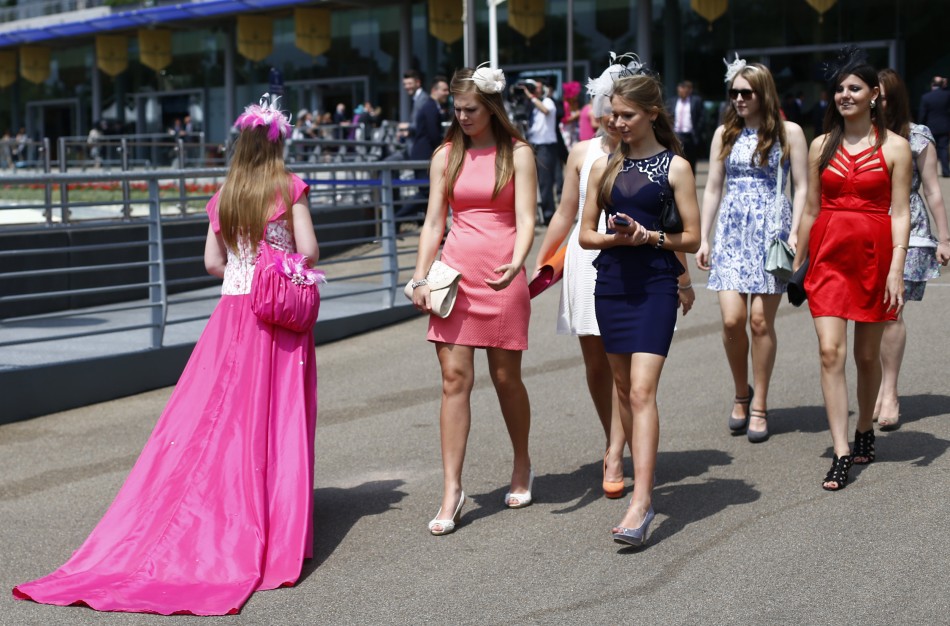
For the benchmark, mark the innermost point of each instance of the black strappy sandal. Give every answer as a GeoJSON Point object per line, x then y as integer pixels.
{"type": "Point", "coordinates": [838, 474]}
{"type": "Point", "coordinates": [863, 452]}
{"type": "Point", "coordinates": [738, 425]}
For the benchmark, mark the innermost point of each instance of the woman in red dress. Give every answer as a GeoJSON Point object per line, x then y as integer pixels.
{"type": "Point", "coordinates": [858, 172]}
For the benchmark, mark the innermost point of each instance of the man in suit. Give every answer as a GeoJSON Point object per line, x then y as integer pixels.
{"type": "Point", "coordinates": [412, 84]}
{"type": "Point", "coordinates": [425, 135]}
{"type": "Point", "coordinates": [425, 130]}
{"type": "Point", "coordinates": [935, 115]}
{"type": "Point", "coordinates": [686, 110]}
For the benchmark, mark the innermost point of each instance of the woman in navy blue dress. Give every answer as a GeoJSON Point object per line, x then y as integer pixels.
{"type": "Point", "coordinates": [641, 271]}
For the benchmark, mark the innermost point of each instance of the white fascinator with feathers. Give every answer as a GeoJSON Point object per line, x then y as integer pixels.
{"type": "Point", "coordinates": [600, 88]}
{"type": "Point", "coordinates": [734, 68]}
{"type": "Point", "coordinates": [488, 80]}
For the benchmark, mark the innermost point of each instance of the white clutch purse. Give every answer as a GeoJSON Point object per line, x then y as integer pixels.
{"type": "Point", "coordinates": [443, 282]}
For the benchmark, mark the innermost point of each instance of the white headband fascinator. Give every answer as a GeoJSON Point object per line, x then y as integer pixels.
{"type": "Point", "coordinates": [734, 68]}
{"type": "Point", "coordinates": [600, 88]}
{"type": "Point", "coordinates": [488, 80]}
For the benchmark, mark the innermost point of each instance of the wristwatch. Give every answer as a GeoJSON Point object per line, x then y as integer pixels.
{"type": "Point", "coordinates": [418, 283]}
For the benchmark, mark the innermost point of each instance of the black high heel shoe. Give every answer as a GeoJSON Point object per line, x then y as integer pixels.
{"type": "Point", "coordinates": [838, 474]}
{"type": "Point", "coordinates": [737, 425]}
{"type": "Point", "coordinates": [863, 452]}
{"type": "Point", "coordinates": [758, 436]}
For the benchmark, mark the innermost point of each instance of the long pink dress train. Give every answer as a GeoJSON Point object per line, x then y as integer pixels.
{"type": "Point", "coordinates": [220, 502]}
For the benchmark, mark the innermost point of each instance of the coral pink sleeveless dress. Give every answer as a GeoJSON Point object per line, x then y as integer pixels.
{"type": "Point", "coordinates": [220, 502]}
{"type": "Point", "coordinates": [483, 238]}
{"type": "Point", "coordinates": [850, 247]}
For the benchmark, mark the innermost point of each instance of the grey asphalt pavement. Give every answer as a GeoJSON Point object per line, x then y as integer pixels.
{"type": "Point", "coordinates": [744, 533]}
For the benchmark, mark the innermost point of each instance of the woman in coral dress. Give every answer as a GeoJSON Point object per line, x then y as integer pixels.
{"type": "Point", "coordinates": [485, 171]}
{"type": "Point", "coordinates": [220, 502]}
{"type": "Point", "coordinates": [855, 229]}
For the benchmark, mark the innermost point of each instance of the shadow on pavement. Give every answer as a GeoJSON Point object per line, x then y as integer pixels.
{"type": "Point", "coordinates": [812, 419]}
{"type": "Point", "coordinates": [922, 406]}
{"type": "Point", "coordinates": [336, 511]}
{"type": "Point", "coordinates": [684, 504]}
{"type": "Point", "coordinates": [798, 419]}
{"type": "Point", "coordinates": [582, 487]}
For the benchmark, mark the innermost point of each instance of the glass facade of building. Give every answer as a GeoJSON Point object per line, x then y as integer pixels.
{"type": "Point", "coordinates": [363, 62]}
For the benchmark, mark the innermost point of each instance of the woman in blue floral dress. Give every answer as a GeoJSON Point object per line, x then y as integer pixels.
{"type": "Point", "coordinates": [746, 154]}
{"type": "Point", "coordinates": [925, 252]}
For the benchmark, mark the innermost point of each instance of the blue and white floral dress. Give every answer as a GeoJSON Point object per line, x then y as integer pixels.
{"type": "Point", "coordinates": [921, 262]}
{"type": "Point", "coordinates": [746, 223]}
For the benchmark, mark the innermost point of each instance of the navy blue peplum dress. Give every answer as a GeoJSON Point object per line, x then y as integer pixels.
{"type": "Point", "coordinates": [635, 297]}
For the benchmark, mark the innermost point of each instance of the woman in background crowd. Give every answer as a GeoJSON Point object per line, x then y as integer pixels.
{"type": "Point", "coordinates": [924, 252]}
{"type": "Point", "coordinates": [576, 309]}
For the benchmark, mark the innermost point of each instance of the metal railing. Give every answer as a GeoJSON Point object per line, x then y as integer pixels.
{"type": "Point", "coordinates": [132, 151]}
{"type": "Point", "coordinates": [330, 143]}
{"type": "Point", "coordinates": [127, 268]}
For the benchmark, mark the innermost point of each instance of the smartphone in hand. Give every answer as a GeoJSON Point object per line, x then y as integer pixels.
{"type": "Point", "coordinates": [621, 221]}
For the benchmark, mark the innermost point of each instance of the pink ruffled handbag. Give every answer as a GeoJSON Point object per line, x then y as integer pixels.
{"type": "Point", "coordinates": [284, 289]}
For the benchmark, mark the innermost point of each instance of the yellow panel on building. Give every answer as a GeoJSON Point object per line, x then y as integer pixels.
{"type": "Point", "coordinates": [710, 10]}
{"type": "Point", "coordinates": [526, 16]}
{"type": "Point", "coordinates": [822, 7]}
{"type": "Point", "coordinates": [255, 36]}
{"type": "Point", "coordinates": [155, 48]}
{"type": "Point", "coordinates": [34, 63]}
{"type": "Point", "coordinates": [445, 20]}
{"type": "Point", "coordinates": [7, 68]}
{"type": "Point", "coordinates": [112, 54]}
{"type": "Point", "coordinates": [312, 30]}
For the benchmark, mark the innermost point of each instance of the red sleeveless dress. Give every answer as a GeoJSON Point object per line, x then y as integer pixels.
{"type": "Point", "coordinates": [850, 246]}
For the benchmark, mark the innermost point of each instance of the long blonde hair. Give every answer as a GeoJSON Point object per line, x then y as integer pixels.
{"type": "Point", "coordinates": [256, 176]}
{"type": "Point", "coordinates": [772, 129]}
{"type": "Point", "coordinates": [501, 127]}
{"type": "Point", "coordinates": [646, 92]}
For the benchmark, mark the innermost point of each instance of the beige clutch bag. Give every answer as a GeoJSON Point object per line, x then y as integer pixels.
{"type": "Point", "coordinates": [443, 282]}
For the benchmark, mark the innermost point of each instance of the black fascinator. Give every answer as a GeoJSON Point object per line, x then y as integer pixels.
{"type": "Point", "coordinates": [845, 62]}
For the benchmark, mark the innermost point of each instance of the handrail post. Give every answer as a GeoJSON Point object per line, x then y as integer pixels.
{"type": "Point", "coordinates": [48, 187]}
{"type": "Point", "coordinates": [388, 238]}
{"type": "Point", "coordinates": [182, 192]}
{"type": "Point", "coordinates": [62, 154]}
{"type": "Point", "coordinates": [63, 187]}
{"type": "Point", "coordinates": [126, 192]}
{"type": "Point", "coordinates": [157, 291]}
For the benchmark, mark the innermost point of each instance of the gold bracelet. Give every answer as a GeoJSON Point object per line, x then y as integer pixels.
{"type": "Point", "coordinates": [902, 246]}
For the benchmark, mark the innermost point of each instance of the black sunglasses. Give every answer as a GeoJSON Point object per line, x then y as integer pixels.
{"type": "Point", "coordinates": [745, 93]}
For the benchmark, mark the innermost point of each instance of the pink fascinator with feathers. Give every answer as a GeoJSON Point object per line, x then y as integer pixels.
{"type": "Point", "coordinates": [266, 114]}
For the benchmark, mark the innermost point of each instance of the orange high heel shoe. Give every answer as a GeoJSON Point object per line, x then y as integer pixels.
{"type": "Point", "coordinates": [612, 490]}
